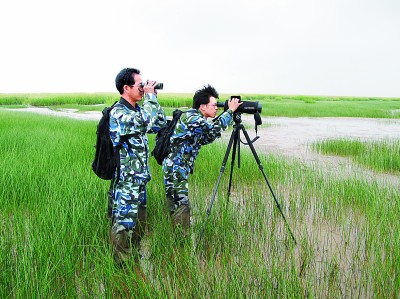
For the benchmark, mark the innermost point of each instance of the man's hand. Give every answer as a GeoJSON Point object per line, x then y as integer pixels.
{"type": "Point", "coordinates": [149, 87]}
{"type": "Point", "coordinates": [233, 104]}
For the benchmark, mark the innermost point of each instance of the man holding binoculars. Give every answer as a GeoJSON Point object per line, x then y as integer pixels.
{"type": "Point", "coordinates": [129, 124]}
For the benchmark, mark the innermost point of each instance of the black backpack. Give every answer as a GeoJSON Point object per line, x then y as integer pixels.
{"type": "Point", "coordinates": [105, 160]}
{"type": "Point", "coordinates": [162, 147]}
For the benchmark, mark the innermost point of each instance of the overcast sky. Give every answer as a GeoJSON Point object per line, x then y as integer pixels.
{"type": "Point", "coordinates": [311, 47]}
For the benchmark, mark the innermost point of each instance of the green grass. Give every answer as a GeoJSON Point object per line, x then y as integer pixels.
{"type": "Point", "coordinates": [273, 105]}
{"type": "Point", "coordinates": [54, 240]}
{"type": "Point", "coordinates": [382, 156]}
{"type": "Point", "coordinates": [51, 99]}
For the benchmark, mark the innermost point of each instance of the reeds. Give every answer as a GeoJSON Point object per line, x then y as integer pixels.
{"type": "Point", "coordinates": [382, 155]}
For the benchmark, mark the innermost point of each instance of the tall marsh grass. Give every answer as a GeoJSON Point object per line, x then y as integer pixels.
{"type": "Point", "coordinates": [55, 244]}
{"type": "Point", "coordinates": [382, 155]}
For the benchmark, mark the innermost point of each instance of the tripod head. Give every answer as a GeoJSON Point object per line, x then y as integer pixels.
{"type": "Point", "coordinates": [237, 118]}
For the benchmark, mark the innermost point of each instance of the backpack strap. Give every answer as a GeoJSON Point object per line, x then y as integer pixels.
{"type": "Point", "coordinates": [117, 153]}
{"type": "Point", "coordinates": [176, 116]}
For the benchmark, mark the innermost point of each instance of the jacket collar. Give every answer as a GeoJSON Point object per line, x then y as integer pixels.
{"type": "Point", "coordinates": [128, 105]}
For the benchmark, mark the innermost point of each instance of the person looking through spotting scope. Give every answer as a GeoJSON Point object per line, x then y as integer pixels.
{"type": "Point", "coordinates": [129, 124]}
{"type": "Point", "coordinates": [191, 132]}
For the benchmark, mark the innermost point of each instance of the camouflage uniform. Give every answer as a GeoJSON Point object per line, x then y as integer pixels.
{"type": "Point", "coordinates": [129, 189]}
{"type": "Point", "coordinates": [191, 132]}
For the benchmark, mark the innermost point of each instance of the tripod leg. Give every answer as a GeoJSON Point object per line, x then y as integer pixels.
{"type": "Point", "coordinates": [253, 150]}
{"type": "Point", "coordinates": [228, 149]}
{"type": "Point", "coordinates": [235, 146]}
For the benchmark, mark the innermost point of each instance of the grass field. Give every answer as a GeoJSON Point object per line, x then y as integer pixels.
{"type": "Point", "coordinates": [55, 244]}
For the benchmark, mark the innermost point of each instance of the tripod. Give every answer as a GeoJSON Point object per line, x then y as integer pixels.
{"type": "Point", "coordinates": [235, 142]}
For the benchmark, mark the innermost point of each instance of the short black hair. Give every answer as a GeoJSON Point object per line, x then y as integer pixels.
{"type": "Point", "coordinates": [202, 96]}
{"type": "Point", "coordinates": [125, 77]}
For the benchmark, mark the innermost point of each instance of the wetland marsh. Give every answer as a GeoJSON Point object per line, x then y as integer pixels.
{"type": "Point", "coordinates": [55, 239]}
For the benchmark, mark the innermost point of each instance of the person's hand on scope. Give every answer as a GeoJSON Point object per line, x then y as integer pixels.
{"type": "Point", "coordinates": [233, 104]}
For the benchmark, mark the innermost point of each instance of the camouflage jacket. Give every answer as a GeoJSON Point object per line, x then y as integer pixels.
{"type": "Point", "coordinates": [128, 126]}
{"type": "Point", "coordinates": [191, 132]}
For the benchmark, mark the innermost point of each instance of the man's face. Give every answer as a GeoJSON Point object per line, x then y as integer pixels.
{"type": "Point", "coordinates": [135, 92]}
{"type": "Point", "coordinates": [210, 109]}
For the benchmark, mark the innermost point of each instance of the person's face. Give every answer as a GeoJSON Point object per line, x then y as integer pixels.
{"type": "Point", "coordinates": [210, 109]}
{"type": "Point", "coordinates": [135, 92]}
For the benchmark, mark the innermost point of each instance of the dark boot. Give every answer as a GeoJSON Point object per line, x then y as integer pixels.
{"type": "Point", "coordinates": [121, 246]}
{"type": "Point", "coordinates": [181, 219]}
{"type": "Point", "coordinates": [141, 226]}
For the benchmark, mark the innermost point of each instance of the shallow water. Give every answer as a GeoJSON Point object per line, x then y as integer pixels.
{"type": "Point", "coordinates": [292, 138]}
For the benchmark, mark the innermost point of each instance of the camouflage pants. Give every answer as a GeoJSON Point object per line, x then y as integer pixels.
{"type": "Point", "coordinates": [176, 184]}
{"type": "Point", "coordinates": [128, 216]}
{"type": "Point", "coordinates": [176, 190]}
{"type": "Point", "coordinates": [127, 196]}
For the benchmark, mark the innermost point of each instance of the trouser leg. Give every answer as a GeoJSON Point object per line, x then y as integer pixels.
{"type": "Point", "coordinates": [176, 189]}
{"type": "Point", "coordinates": [128, 196]}
{"type": "Point", "coordinates": [141, 223]}
{"type": "Point", "coordinates": [176, 186]}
